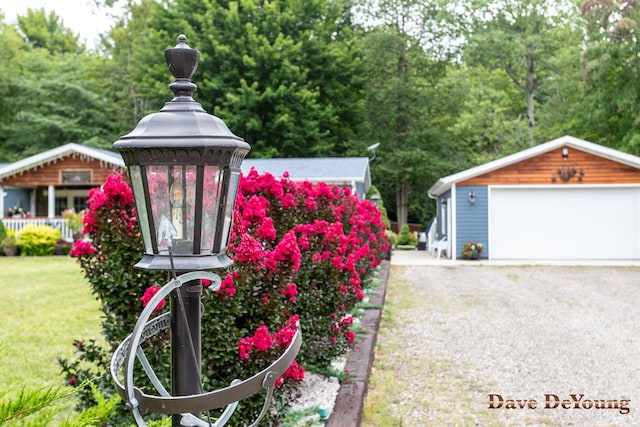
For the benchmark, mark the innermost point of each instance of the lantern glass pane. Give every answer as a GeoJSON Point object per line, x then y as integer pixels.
{"type": "Point", "coordinates": [182, 197]}
{"type": "Point", "coordinates": [228, 214]}
{"type": "Point", "coordinates": [190, 199]}
{"type": "Point", "coordinates": [211, 198]}
{"type": "Point", "coordinates": [158, 183]}
{"type": "Point", "coordinates": [143, 218]}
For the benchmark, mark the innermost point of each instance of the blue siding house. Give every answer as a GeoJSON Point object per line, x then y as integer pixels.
{"type": "Point", "coordinates": [472, 214]}
{"type": "Point", "coordinates": [550, 202]}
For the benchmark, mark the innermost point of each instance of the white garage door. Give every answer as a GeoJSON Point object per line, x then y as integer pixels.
{"type": "Point", "coordinates": [564, 223]}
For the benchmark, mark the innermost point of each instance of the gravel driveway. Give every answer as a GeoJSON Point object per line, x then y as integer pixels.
{"type": "Point", "coordinates": [452, 336]}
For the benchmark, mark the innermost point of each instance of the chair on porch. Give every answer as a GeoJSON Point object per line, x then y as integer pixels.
{"type": "Point", "coordinates": [439, 246]}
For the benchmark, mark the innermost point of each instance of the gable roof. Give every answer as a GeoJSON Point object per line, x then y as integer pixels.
{"type": "Point", "coordinates": [444, 184]}
{"type": "Point", "coordinates": [313, 169]}
{"type": "Point", "coordinates": [57, 153]}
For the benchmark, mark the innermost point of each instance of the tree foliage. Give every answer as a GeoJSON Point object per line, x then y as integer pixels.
{"type": "Point", "coordinates": [520, 38]}
{"type": "Point", "coordinates": [44, 30]}
{"type": "Point", "coordinates": [284, 75]}
{"type": "Point", "coordinates": [442, 85]}
{"type": "Point", "coordinates": [404, 112]}
{"type": "Point", "coordinates": [53, 92]}
{"type": "Point", "coordinates": [611, 73]}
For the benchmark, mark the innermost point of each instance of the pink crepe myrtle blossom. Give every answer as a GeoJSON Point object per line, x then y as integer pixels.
{"type": "Point", "coordinates": [148, 294]}
{"type": "Point", "coordinates": [82, 248]}
{"type": "Point", "coordinates": [291, 291]}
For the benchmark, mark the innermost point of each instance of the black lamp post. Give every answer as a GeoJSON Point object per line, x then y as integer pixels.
{"type": "Point", "coordinates": [184, 167]}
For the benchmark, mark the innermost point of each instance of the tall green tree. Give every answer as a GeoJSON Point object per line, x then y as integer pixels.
{"type": "Point", "coordinates": [55, 99]}
{"type": "Point", "coordinates": [405, 116]}
{"type": "Point", "coordinates": [139, 77]}
{"type": "Point", "coordinates": [10, 57]}
{"type": "Point", "coordinates": [489, 121]}
{"type": "Point", "coordinates": [519, 38]}
{"type": "Point", "coordinates": [612, 73]}
{"type": "Point", "coordinates": [284, 75]}
{"type": "Point", "coordinates": [47, 31]}
{"type": "Point", "coordinates": [53, 90]}
{"type": "Point", "coordinates": [405, 111]}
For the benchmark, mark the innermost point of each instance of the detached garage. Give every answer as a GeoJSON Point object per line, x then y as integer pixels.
{"type": "Point", "coordinates": [564, 199]}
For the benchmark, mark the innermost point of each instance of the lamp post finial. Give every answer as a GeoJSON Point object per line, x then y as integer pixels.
{"type": "Point", "coordinates": [183, 63]}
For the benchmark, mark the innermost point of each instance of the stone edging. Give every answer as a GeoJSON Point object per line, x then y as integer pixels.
{"type": "Point", "coordinates": [347, 410]}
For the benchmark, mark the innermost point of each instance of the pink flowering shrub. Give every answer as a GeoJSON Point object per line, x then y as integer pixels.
{"type": "Point", "coordinates": [302, 253]}
{"type": "Point", "coordinates": [107, 262]}
{"type": "Point", "coordinates": [307, 250]}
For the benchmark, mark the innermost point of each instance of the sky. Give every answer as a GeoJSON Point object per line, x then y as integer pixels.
{"type": "Point", "coordinates": [81, 16]}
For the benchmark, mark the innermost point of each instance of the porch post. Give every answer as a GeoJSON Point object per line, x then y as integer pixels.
{"type": "Point", "coordinates": [51, 193]}
{"type": "Point", "coordinates": [2, 196]}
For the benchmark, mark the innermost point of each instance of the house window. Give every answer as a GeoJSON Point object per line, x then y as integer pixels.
{"type": "Point", "coordinates": [80, 203]}
{"type": "Point", "coordinates": [443, 219]}
{"type": "Point", "coordinates": [60, 205]}
{"type": "Point", "coordinates": [67, 199]}
{"type": "Point", "coordinates": [76, 177]}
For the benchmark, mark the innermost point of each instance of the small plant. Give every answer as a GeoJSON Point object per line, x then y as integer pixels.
{"type": "Point", "coordinates": [75, 221]}
{"type": "Point", "coordinates": [62, 247]}
{"type": "Point", "coordinates": [3, 235]}
{"type": "Point", "coordinates": [37, 240]}
{"type": "Point", "coordinates": [17, 211]}
{"type": "Point", "coordinates": [472, 249]}
{"type": "Point", "coordinates": [406, 237]}
{"type": "Point", "coordinates": [9, 245]}
{"type": "Point", "coordinates": [3, 231]}
{"type": "Point", "coordinates": [393, 237]}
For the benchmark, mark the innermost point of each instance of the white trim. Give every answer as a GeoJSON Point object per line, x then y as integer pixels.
{"type": "Point", "coordinates": [445, 183]}
{"type": "Point", "coordinates": [560, 186]}
{"type": "Point", "coordinates": [489, 213]}
{"type": "Point", "coordinates": [51, 202]}
{"type": "Point", "coordinates": [3, 194]}
{"type": "Point", "coordinates": [452, 252]}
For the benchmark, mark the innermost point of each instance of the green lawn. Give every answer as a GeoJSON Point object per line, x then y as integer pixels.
{"type": "Point", "coordinates": [45, 304]}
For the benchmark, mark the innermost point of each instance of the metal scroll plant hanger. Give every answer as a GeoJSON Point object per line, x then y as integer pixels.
{"type": "Point", "coordinates": [130, 350]}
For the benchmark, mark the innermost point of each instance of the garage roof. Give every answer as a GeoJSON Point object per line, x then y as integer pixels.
{"type": "Point", "coordinates": [444, 184]}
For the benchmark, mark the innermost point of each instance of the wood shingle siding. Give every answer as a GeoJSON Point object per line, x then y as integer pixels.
{"type": "Point", "coordinates": [52, 173]}
{"type": "Point", "coordinates": [540, 169]}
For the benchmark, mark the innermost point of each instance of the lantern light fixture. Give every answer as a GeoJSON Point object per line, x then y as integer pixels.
{"type": "Point", "coordinates": [184, 166]}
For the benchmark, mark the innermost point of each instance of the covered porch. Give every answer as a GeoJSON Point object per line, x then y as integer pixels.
{"type": "Point", "coordinates": [40, 188]}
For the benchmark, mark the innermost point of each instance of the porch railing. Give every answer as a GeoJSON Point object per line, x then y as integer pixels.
{"type": "Point", "coordinates": [16, 224]}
